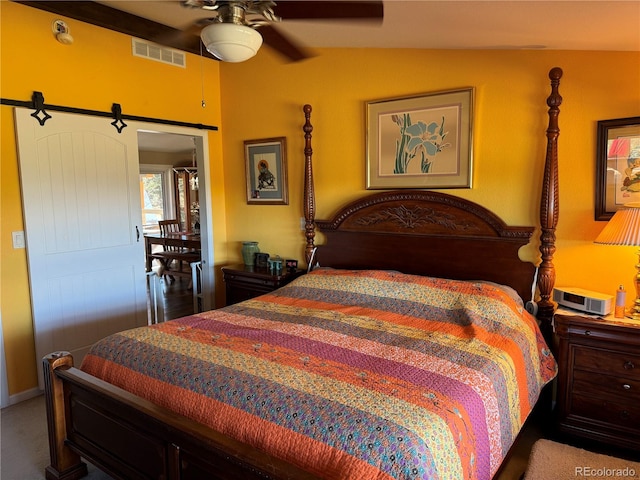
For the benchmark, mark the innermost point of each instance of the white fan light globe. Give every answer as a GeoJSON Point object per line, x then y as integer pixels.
{"type": "Point", "coordinates": [230, 42]}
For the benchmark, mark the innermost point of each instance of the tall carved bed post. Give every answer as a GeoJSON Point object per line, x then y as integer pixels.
{"type": "Point", "coordinates": [549, 206]}
{"type": "Point", "coordinates": [309, 193]}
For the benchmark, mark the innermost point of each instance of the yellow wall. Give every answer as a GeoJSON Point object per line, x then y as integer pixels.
{"type": "Point", "coordinates": [263, 98]}
{"type": "Point", "coordinates": [93, 73]}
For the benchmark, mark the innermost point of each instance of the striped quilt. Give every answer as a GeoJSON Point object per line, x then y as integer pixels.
{"type": "Point", "coordinates": [349, 374]}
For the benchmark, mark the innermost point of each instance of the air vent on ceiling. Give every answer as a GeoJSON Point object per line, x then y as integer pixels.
{"type": "Point", "coordinates": [142, 48]}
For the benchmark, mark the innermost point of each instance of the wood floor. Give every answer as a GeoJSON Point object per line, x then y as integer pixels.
{"type": "Point", "coordinates": [178, 299]}
{"type": "Point", "coordinates": [173, 295]}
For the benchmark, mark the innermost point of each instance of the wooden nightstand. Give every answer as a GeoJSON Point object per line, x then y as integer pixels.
{"type": "Point", "coordinates": [599, 379]}
{"type": "Point", "coordinates": [244, 282]}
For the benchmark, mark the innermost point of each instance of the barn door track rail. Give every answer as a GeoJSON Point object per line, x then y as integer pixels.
{"type": "Point", "coordinates": [41, 115]}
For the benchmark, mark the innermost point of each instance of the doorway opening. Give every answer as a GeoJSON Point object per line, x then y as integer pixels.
{"type": "Point", "coordinates": [173, 187]}
{"type": "Point", "coordinates": [161, 193]}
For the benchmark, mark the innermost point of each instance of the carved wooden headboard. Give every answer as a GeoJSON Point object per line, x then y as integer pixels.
{"type": "Point", "coordinates": [427, 233]}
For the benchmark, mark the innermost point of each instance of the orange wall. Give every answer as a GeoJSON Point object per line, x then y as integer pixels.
{"type": "Point", "coordinates": [263, 98]}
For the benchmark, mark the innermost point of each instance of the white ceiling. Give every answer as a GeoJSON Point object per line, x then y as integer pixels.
{"type": "Point", "coordinates": [451, 24]}
{"type": "Point", "coordinates": [165, 142]}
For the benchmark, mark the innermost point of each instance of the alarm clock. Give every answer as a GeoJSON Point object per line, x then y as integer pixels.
{"type": "Point", "coordinates": [583, 300]}
{"type": "Point", "coordinates": [292, 265]}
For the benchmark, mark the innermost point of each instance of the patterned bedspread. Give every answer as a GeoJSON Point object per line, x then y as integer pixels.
{"type": "Point", "coordinates": [349, 374]}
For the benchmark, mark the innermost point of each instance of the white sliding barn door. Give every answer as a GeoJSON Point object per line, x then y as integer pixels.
{"type": "Point", "coordinates": [85, 249]}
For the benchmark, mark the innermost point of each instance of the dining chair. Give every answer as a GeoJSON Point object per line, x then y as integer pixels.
{"type": "Point", "coordinates": [169, 226]}
{"type": "Point", "coordinates": [173, 258]}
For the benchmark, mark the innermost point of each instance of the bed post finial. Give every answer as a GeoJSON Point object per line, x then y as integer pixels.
{"type": "Point", "coordinates": [549, 207]}
{"type": "Point", "coordinates": [65, 463]}
{"type": "Point", "coordinates": [309, 194]}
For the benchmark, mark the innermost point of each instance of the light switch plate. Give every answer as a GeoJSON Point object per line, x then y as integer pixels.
{"type": "Point", "coordinates": [18, 239]}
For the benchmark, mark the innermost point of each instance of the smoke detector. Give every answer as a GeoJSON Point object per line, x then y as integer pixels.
{"type": "Point", "coordinates": [61, 32]}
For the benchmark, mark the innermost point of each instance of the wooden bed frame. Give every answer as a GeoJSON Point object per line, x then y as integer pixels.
{"type": "Point", "coordinates": [421, 232]}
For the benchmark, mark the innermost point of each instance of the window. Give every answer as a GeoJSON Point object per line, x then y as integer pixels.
{"type": "Point", "coordinates": [152, 201]}
{"type": "Point", "coordinates": [156, 196]}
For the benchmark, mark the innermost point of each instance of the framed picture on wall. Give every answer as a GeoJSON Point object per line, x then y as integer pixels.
{"type": "Point", "coordinates": [422, 141]}
{"type": "Point", "coordinates": [617, 165]}
{"type": "Point", "coordinates": [266, 171]}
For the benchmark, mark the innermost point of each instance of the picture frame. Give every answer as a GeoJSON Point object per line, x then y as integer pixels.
{"type": "Point", "coordinates": [617, 165]}
{"type": "Point", "coordinates": [266, 171]}
{"type": "Point", "coordinates": [421, 141]}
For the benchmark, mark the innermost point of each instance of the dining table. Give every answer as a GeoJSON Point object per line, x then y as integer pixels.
{"type": "Point", "coordinates": [187, 240]}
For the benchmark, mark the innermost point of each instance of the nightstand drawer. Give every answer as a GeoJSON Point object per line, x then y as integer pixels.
{"type": "Point", "coordinates": [598, 395]}
{"type": "Point", "coordinates": [606, 411]}
{"type": "Point", "coordinates": [263, 281]}
{"type": "Point", "coordinates": [619, 389]}
{"type": "Point", "coordinates": [244, 282]}
{"type": "Point", "coordinates": [602, 361]}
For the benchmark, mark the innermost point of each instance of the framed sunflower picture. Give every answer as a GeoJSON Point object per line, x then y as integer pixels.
{"type": "Point", "coordinates": [266, 171]}
{"type": "Point", "coordinates": [422, 141]}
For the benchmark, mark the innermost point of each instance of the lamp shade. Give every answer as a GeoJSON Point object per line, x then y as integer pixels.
{"type": "Point", "coordinates": [231, 42]}
{"type": "Point", "coordinates": [623, 228]}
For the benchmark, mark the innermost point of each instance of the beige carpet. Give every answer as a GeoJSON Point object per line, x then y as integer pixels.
{"type": "Point", "coordinates": [24, 446]}
{"type": "Point", "coordinates": [556, 461]}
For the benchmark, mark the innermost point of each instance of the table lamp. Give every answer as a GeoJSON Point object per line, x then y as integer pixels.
{"type": "Point", "coordinates": [624, 229]}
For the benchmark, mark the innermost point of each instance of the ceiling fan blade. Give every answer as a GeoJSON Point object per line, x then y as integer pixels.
{"type": "Point", "coordinates": [276, 40]}
{"type": "Point", "coordinates": [336, 9]}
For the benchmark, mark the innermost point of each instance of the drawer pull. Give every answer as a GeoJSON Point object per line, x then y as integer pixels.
{"type": "Point", "coordinates": [587, 332]}
{"type": "Point", "coordinates": [626, 386]}
{"type": "Point", "coordinates": [629, 365]}
{"type": "Point", "coordinates": [624, 414]}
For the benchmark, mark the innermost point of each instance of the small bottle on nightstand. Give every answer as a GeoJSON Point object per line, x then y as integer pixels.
{"type": "Point", "coordinates": [621, 299]}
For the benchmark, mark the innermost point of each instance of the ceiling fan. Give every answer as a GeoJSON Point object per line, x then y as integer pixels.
{"type": "Point", "coordinates": [239, 27]}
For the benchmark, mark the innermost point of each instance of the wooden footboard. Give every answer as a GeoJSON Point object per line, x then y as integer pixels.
{"type": "Point", "coordinates": [131, 438]}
